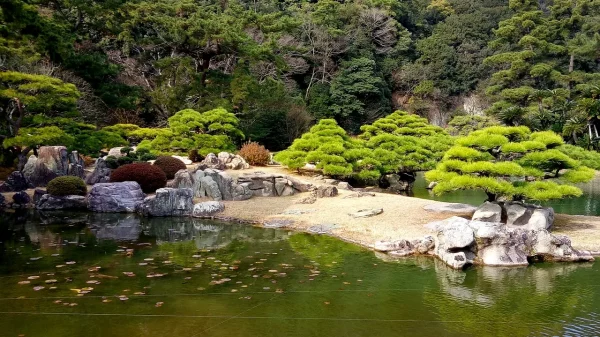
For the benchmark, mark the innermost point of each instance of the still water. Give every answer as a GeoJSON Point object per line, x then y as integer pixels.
{"type": "Point", "coordinates": [117, 275]}
{"type": "Point", "coordinates": [587, 204]}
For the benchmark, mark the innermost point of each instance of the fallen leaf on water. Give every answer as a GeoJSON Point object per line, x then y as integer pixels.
{"type": "Point", "coordinates": [57, 301]}
{"type": "Point", "coordinates": [128, 273]}
{"type": "Point", "coordinates": [93, 282]}
{"type": "Point", "coordinates": [87, 289]}
{"type": "Point", "coordinates": [347, 283]}
{"type": "Point", "coordinates": [234, 290]}
{"type": "Point", "coordinates": [159, 304]}
{"type": "Point", "coordinates": [70, 262]}
{"type": "Point", "coordinates": [60, 265]}
{"type": "Point", "coordinates": [327, 303]}
{"type": "Point", "coordinates": [106, 301]}
{"type": "Point", "coordinates": [139, 293]}
{"type": "Point", "coordinates": [38, 288]}
{"type": "Point", "coordinates": [35, 277]}
{"type": "Point", "coordinates": [143, 264]}
{"type": "Point", "coordinates": [93, 269]}
{"type": "Point", "coordinates": [279, 291]}
{"type": "Point", "coordinates": [149, 259]}
{"type": "Point", "coordinates": [24, 282]}
{"type": "Point", "coordinates": [123, 298]}
{"type": "Point", "coordinates": [51, 281]}
{"type": "Point", "coordinates": [73, 304]}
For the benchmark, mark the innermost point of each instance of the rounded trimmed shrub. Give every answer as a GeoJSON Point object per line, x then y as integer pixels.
{"type": "Point", "coordinates": [169, 165]}
{"type": "Point", "coordinates": [66, 185]}
{"type": "Point", "coordinates": [149, 177]}
{"type": "Point", "coordinates": [255, 154]}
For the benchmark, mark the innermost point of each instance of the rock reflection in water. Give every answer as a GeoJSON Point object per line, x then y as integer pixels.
{"type": "Point", "coordinates": [206, 234]}
{"type": "Point", "coordinates": [118, 227]}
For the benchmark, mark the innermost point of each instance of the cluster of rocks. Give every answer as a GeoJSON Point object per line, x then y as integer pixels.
{"type": "Point", "coordinates": [52, 162]}
{"type": "Point", "coordinates": [499, 234]}
{"type": "Point", "coordinates": [224, 160]}
{"type": "Point", "coordinates": [19, 200]}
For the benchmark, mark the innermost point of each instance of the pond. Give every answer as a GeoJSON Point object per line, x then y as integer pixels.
{"type": "Point", "coordinates": [587, 204]}
{"type": "Point", "coordinates": [117, 275]}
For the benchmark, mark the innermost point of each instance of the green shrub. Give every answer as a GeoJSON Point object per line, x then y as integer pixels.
{"type": "Point", "coordinates": [66, 185]}
{"type": "Point", "coordinates": [463, 125]}
{"type": "Point", "coordinates": [255, 154]}
{"type": "Point", "coordinates": [169, 165]}
{"type": "Point", "coordinates": [149, 177]}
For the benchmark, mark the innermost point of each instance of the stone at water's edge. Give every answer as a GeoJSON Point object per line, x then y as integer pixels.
{"type": "Point", "coordinates": [526, 216]}
{"type": "Point", "coordinates": [15, 182]}
{"type": "Point", "coordinates": [120, 197]}
{"type": "Point", "coordinates": [168, 202]}
{"type": "Point", "coordinates": [207, 208]}
{"type": "Point", "coordinates": [101, 173]}
{"type": "Point", "coordinates": [50, 203]}
{"type": "Point", "coordinates": [21, 199]}
{"type": "Point", "coordinates": [52, 162]}
{"type": "Point", "coordinates": [398, 183]}
{"type": "Point", "coordinates": [488, 211]}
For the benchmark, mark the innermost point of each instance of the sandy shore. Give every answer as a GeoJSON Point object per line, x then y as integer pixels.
{"type": "Point", "coordinates": [402, 217]}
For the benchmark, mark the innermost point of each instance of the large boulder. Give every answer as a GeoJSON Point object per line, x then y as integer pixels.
{"type": "Point", "coordinates": [241, 192]}
{"type": "Point", "coordinates": [488, 212]}
{"type": "Point", "coordinates": [101, 173]}
{"type": "Point", "coordinates": [72, 202]}
{"type": "Point", "coordinates": [531, 217]}
{"type": "Point", "coordinates": [52, 162]}
{"type": "Point", "coordinates": [168, 202]}
{"type": "Point", "coordinates": [454, 244]}
{"type": "Point", "coordinates": [121, 197]}
{"type": "Point", "coordinates": [397, 183]}
{"type": "Point", "coordinates": [183, 179]}
{"type": "Point", "coordinates": [207, 209]}
{"type": "Point", "coordinates": [233, 161]}
{"type": "Point", "coordinates": [116, 152]}
{"type": "Point", "coordinates": [326, 191]}
{"type": "Point", "coordinates": [211, 161]}
{"type": "Point", "coordinates": [209, 188]}
{"type": "Point", "coordinates": [15, 182]}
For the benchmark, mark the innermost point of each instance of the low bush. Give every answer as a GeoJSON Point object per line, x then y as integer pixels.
{"type": "Point", "coordinates": [169, 165]}
{"type": "Point", "coordinates": [255, 154]}
{"type": "Point", "coordinates": [66, 185]}
{"type": "Point", "coordinates": [149, 177]}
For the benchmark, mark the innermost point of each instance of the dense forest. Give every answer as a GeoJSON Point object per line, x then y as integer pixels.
{"type": "Point", "coordinates": [91, 73]}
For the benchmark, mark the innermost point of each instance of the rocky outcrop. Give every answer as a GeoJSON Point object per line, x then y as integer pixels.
{"type": "Point", "coordinates": [121, 197]}
{"type": "Point", "coordinates": [211, 161]}
{"type": "Point", "coordinates": [460, 243]}
{"type": "Point", "coordinates": [168, 202]}
{"type": "Point", "coordinates": [207, 209]}
{"type": "Point", "coordinates": [401, 248]}
{"type": "Point", "coordinates": [15, 182]}
{"type": "Point", "coordinates": [183, 179]}
{"type": "Point", "coordinates": [271, 185]}
{"type": "Point", "coordinates": [326, 191]}
{"type": "Point", "coordinates": [233, 161]}
{"type": "Point", "coordinates": [524, 216]}
{"type": "Point", "coordinates": [52, 162]}
{"type": "Point", "coordinates": [101, 173]}
{"type": "Point", "coordinates": [397, 183]}
{"type": "Point", "coordinates": [71, 202]}
{"type": "Point", "coordinates": [489, 212]}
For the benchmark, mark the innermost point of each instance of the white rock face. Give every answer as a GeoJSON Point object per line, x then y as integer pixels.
{"type": "Point", "coordinates": [489, 212]}
{"type": "Point", "coordinates": [168, 202]}
{"type": "Point", "coordinates": [207, 208]}
{"type": "Point", "coordinates": [120, 197]}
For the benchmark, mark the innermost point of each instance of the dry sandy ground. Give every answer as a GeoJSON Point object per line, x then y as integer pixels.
{"type": "Point", "coordinates": [402, 217]}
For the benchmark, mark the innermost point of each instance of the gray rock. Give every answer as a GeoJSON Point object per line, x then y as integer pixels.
{"type": "Point", "coordinates": [241, 192]}
{"type": "Point", "coordinates": [309, 199]}
{"type": "Point", "coordinates": [448, 207]}
{"type": "Point", "coordinates": [342, 185]}
{"type": "Point", "coordinates": [278, 223]}
{"type": "Point", "coordinates": [37, 195]}
{"type": "Point", "coordinates": [453, 221]}
{"type": "Point", "coordinates": [432, 185]}
{"type": "Point", "coordinates": [325, 191]}
{"type": "Point", "coordinates": [15, 182]}
{"type": "Point", "coordinates": [359, 195]}
{"type": "Point", "coordinates": [530, 217]}
{"type": "Point", "coordinates": [425, 245]}
{"type": "Point", "coordinates": [52, 162]}
{"type": "Point", "coordinates": [121, 197]}
{"type": "Point", "coordinates": [322, 228]}
{"type": "Point", "coordinates": [398, 183]}
{"type": "Point", "coordinates": [168, 202]}
{"type": "Point", "coordinates": [331, 181]}
{"type": "Point", "coordinates": [211, 161]}
{"type": "Point", "coordinates": [209, 188]}
{"type": "Point", "coordinates": [101, 173]}
{"type": "Point", "coordinates": [21, 198]}
{"type": "Point", "coordinates": [183, 179]}
{"type": "Point", "coordinates": [116, 152]}
{"type": "Point", "coordinates": [72, 202]}
{"type": "Point", "coordinates": [365, 213]}
{"type": "Point", "coordinates": [388, 246]}
{"type": "Point", "coordinates": [2, 201]}
{"type": "Point", "coordinates": [207, 208]}
{"type": "Point", "coordinates": [488, 212]}
{"type": "Point", "coordinates": [299, 185]}
{"type": "Point", "coordinates": [454, 242]}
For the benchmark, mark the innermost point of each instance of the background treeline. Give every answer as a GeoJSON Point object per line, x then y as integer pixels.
{"type": "Point", "coordinates": [280, 66]}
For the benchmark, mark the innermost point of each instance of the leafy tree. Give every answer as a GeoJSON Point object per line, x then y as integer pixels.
{"type": "Point", "coordinates": [358, 94]}
{"type": "Point", "coordinates": [510, 163]}
{"type": "Point", "coordinates": [330, 148]}
{"type": "Point", "coordinates": [402, 143]}
{"type": "Point", "coordinates": [211, 131]}
{"type": "Point", "coordinates": [463, 125]}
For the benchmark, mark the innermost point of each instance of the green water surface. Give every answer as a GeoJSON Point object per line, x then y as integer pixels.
{"type": "Point", "coordinates": [118, 275]}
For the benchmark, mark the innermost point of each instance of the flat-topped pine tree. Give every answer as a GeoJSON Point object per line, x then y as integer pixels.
{"type": "Point", "coordinates": [510, 163]}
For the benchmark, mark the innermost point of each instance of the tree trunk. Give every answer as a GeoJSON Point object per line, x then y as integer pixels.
{"type": "Point", "coordinates": [23, 158]}
{"type": "Point", "coordinates": [491, 197]}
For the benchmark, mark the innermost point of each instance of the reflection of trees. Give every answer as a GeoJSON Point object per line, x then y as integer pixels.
{"type": "Point", "coordinates": [493, 301]}
{"type": "Point", "coordinates": [207, 234]}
